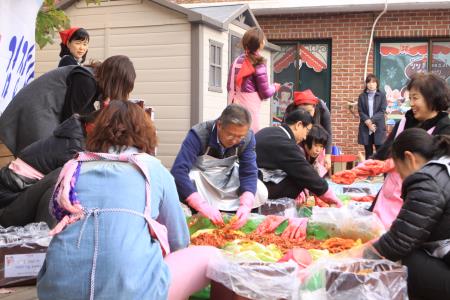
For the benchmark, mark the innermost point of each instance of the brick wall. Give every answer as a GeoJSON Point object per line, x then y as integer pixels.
{"type": "Point", "coordinates": [350, 34]}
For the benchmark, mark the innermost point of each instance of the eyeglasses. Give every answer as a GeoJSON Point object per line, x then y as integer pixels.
{"type": "Point", "coordinates": [231, 136]}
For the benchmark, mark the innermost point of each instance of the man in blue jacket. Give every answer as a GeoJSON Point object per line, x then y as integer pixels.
{"type": "Point", "coordinates": [216, 170]}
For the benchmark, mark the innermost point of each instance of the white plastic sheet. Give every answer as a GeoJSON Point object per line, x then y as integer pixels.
{"type": "Point", "coordinates": [355, 279]}
{"type": "Point", "coordinates": [352, 223]}
{"type": "Point", "coordinates": [256, 280]}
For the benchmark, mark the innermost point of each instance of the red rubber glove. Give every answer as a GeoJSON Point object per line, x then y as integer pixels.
{"type": "Point", "coordinates": [198, 203]}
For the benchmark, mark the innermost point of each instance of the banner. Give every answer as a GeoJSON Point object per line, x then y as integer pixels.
{"type": "Point", "coordinates": [17, 46]}
{"type": "Point", "coordinates": [398, 62]}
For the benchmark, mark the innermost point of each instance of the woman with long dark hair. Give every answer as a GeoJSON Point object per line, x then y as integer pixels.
{"type": "Point", "coordinates": [49, 100]}
{"type": "Point", "coordinates": [420, 235]}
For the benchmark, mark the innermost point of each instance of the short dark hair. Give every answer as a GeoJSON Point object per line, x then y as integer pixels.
{"type": "Point", "coordinates": [317, 135]}
{"type": "Point", "coordinates": [122, 124]}
{"type": "Point", "coordinates": [417, 140]}
{"type": "Point", "coordinates": [298, 115]}
{"type": "Point", "coordinates": [115, 77]}
{"type": "Point", "coordinates": [235, 114]}
{"type": "Point", "coordinates": [433, 88]}
{"type": "Point", "coordinates": [80, 35]}
{"type": "Point", "coordinates": [369, 78]}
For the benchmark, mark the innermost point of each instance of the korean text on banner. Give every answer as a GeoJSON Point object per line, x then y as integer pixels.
{"type": "Point", "coordinates": [17, 46]}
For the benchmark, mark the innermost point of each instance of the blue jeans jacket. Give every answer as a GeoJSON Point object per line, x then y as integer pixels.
{"type": "Point", "coordinates": [129, 262]}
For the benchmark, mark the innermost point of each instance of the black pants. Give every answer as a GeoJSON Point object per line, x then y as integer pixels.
{"type": "Point", "coordinates": [286, 188]}
{"type": "Point", "coordinates": [368, 149]}
{"type": "Point", "coordinates": [428, 277]}
{"type": "Point", "coordinates": [32, 205]}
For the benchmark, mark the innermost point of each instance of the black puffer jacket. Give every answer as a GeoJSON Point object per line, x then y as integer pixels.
{"type": "Point", "coordinates": [425, 214]}
{"type": "Point", "coordinates": [440, 122]}
{"type": "Point", "coordinates": [44, 155]}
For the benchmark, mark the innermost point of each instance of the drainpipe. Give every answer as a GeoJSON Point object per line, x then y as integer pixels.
{"type": "Point", "coordinates": [371, 38]}
{"type": "Point", "coordinates": [350, 103]}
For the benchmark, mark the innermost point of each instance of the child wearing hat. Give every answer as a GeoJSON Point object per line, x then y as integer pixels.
{"type": "Point", "coordinates": [74, 46]}
{"type": "Point", "coordinates": [320, 113]}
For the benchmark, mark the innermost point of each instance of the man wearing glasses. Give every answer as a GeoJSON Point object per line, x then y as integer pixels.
{"type": "Point", "coordinates": [283, 167]}
{"type": "Point", "coordinates": [215, 169]}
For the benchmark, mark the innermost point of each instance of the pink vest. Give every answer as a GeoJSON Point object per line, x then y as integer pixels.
{"type": "Point", "coordinates": [389, 201]}
{"type": "Point", "coordinates": [250, 101]}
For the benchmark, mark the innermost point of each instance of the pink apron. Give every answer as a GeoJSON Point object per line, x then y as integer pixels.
{"type": "Point", "coordinates": [250, 101]}
{"type": "Point", "coordinates": [389, 201]}
{"type": "Point", "coordinates": [319, 164]}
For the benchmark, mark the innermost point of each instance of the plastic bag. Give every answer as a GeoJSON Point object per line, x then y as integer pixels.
{"type": "Point", "coordinates": [255, 280]}
{"type": "Point", "coordinates": [22, 253]}
{"type": "Point", "coordinates": [279, 207]}
{"type": "Point", "coordinates": [356, 279]}
{"type": "Point", "coordinates": [34, 233]}
{"type": "Point", "coordinates": [362, 188]}
{"type": "Point", "coordinates": [353, 223]}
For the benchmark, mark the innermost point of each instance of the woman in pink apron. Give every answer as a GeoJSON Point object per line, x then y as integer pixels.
{"type": "Point", "coordinates": [248, 82]}
{"type": "Point", "coordinates": [429, 98]}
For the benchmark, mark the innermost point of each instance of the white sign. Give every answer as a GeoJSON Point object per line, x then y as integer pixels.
{"type": "Point", "coordinates": [23, 265]}
{"type": "Point", "coordinates": [17, 46]}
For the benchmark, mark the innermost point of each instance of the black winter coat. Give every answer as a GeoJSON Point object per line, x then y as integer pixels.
{"type": "Point", "coordinates": [441, 122]}
{"type": "Point", "coordinates": [379, 109]}
{"type": "Point", "coordinates": [68, 60]}
{"type": "Point", "coordinates": [45, 156]}
{"type": "Point", "coordinates": [276, 150]}
{"type": "Point", "coordinates": [40, 107]}
{"type": "Point", "coordinates": [323, 117]}
{"type": "Point", "coordinates": [424, 216]}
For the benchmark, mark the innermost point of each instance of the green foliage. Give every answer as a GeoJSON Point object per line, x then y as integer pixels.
{"type": "Point", "coordinates": [50, 20]}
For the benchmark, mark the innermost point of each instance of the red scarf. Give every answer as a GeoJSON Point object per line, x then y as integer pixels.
{"type": "Point", "coordinates": [247, 69]}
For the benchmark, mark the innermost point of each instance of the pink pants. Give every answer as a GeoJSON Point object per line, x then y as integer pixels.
{"type": "Point", "coordinates": [188, 270]}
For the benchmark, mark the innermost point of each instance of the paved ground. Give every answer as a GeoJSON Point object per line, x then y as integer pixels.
{"type": "Point", "coordinates": [20, 293]}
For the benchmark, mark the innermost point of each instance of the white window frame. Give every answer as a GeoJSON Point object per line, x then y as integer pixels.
{"type": "Point", "coordinates": [215, 66]}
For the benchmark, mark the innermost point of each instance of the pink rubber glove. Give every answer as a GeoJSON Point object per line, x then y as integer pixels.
{"type": "Point", "coordinates": [301, 198]}
{"type": "Point", "coordinates": [277, 86]}
{"type": "Point", "coordinates": [330, 198]}
{"type": "Point", "coordinates": [388, 165]}
{"type": "Point", "coordinates": [246, 204]}
{"type": "Point", "coordinates": [296, 229]}
{"type": "Point", "coordinates": [198, 203]}
{"type": "Point", "coordinates": [269, 224]}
